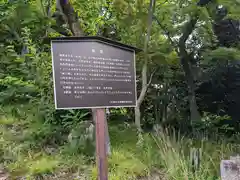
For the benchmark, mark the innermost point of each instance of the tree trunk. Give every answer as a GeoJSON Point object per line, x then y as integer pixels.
{"type": "Point", "coordinates": [142, 94]}
{"type": "Point", "coordinates": [144, 68]}
{"type": "Point", "coordinates": [194, 113]}
{"type": "Point", "coordinates": [138, 117]}
{"type": "Point", "coordinates": [185, 60]}
{"type": "Point", "coordinates": [164, 103]}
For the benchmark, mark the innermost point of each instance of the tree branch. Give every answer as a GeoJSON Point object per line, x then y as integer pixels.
{"type": "Point", "coordinates": [184, 56]}
{"type": "Point", "coordinates": [151, 76]}
{"type": "Point", "coordinates": [48, 8]}
{"type": "Point", "coordinates": [71, 16]}
{"type": "Point", "coordinates": [166, 33]}
{"type": "Point", "coordinates": [187, 30]}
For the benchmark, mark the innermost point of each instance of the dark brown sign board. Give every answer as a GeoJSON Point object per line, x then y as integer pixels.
{"type": "Point", "coordinates": [93, 72]}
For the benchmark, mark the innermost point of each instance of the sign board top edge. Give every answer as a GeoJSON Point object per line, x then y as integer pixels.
{"type": "Point", "coordinates": [97, 39]}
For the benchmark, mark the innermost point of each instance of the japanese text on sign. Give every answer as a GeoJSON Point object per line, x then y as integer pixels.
{"type": "Point", "coordinates": [93, 74]}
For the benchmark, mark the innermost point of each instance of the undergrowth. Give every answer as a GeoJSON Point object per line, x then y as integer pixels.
{"type": "Point", "coordinates": [33, 149]}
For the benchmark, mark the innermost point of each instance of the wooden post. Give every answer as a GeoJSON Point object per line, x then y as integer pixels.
{"type": "Point", "coordinates": [108, 148]}
{"type": "Point", "coordinates": [101, 144]}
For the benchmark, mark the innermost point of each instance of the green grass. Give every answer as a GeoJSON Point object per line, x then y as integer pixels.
{"type": "Point", "coordinates": [133, 155]}
{"type": "Point", "coordinates": [174, 152]}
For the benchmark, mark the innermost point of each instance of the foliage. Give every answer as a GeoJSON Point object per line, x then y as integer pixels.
{"type": "Point", "coordinates": [26, 68]}
{"type": "Point", "coordinates": [81, 138]}
{"type": "Point", "coordinates": [213, 123]}
{"type": "Point", "coordinates": [221, 54]}
{"type": "Point", "coordinates": [37, 140]}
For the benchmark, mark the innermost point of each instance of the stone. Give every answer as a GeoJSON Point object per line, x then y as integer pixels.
{"type": "Point", "coordinates": [230, 170]}
{"type": "Point", "coordinates": [3, 174]}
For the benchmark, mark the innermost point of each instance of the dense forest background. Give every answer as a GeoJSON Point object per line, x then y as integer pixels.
{"type": "Point", "coordinates": [188, 78]}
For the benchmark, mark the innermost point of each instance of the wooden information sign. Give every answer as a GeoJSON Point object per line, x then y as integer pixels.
{"type": "Point", "coordinates": [97, 73]}
{"type": "Point", "coordinates": [93, 72]}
